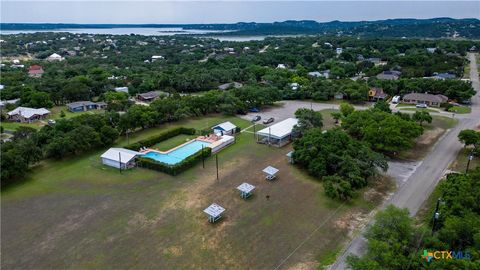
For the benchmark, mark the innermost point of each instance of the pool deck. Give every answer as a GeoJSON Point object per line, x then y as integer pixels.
{"type": "Point", "coordinates": [215, 141]}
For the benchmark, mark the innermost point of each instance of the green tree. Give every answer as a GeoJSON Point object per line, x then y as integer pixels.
{"type": "Point", "coordinates": [346, 109]}
{"type": "Point", "coordinates": [422, 116]}
{"type": "Point", "coordinates": [469, 137]}
{"type": "Point", "coordinates": [337, 188]}
{"type": "Point", "coordinates": [307, 119]}
{"type": "Point", "coordinates": [383, 106]}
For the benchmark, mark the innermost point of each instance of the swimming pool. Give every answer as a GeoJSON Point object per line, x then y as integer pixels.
{"type": "Point", "coordinates": [179, 154]}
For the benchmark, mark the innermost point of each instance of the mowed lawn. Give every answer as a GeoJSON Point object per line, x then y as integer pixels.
{"type": "Point", "coordinates": [79, 214]}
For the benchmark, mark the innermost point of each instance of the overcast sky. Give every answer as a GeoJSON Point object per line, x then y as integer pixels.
{"type": "Point", "coordinates": [227, 11]}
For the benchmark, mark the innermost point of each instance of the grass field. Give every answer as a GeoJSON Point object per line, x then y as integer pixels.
{"type": "Point", "coordinates": [79, 214]}
{"type": "Point", "coordinates": [172, 142]}
{"type": "Point", "coordinates": [460, 109]}
{"type": "Point", "coordinates": [419, 109]}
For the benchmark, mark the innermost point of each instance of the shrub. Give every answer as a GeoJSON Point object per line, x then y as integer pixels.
{"type": "Point", "coordinates": [177, 168]}
{"type": "Point", "coordinates": [160, 137]}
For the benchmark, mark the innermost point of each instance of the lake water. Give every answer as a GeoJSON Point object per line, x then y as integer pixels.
{"type": "Point", "coordinates": [140, 31]}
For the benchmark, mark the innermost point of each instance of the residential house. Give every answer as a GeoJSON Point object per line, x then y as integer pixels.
{"type": "Point", "coordinates": [339, 50]}
{"type": "Point", "coordinates": [339, 95]}
{"type": "Point", "coordinates": [2, 86]}
{"type": "Point", "coordinates": [431, 50]}
{"type": "Point", "coordinates": [149, 96]}
{"type": "Point", "coordinates": [226, 86]}
{"type": "Point", "coordinates": [157, 57]}
{"type": "Point", "coordinates": [424, 98]}
{"type": "Point", "coordinates": [35, 71]}
{"type": "Point", "coordinates": [83, 106]}
{"type": "Point", "coordinates": [444, 76]}
{"type": "Point", "coordinates": [225, 128]}
{"type": "Point", "coordinates": [294, 86]}
{"type": "Point", "coordinates": [55, 57]}
{"type": "Point", "coordinates": [317, 74]}
{"type": "Point", "coordinates": [376, 94]}
{"type": "Point", "coordinates": [3, 103]}
{"type": "Point", "coordinates": [25, 114]}
{"type": "Point", "coordinates": [389, 75]}
{"type": "Point", "coordinates": [281, 66]}
{"type": "Point", "coordinates": [121, 89]}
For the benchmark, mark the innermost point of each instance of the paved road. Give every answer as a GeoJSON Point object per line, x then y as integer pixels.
{"type": "Point", "coordinates": [423, 180]}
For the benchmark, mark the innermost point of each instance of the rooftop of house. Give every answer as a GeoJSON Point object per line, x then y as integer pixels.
{"type": "Point", "coordinates": [28, 112]}
{"type": "Point", "coordinates": [426, 97]}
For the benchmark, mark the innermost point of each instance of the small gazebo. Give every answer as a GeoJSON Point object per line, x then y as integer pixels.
{"type": "Point", "coordinates": [246, 190]}
{"type": "Point", "coordinates": [270, 173]}
{"type": "Point", "coordinates": [214, 212]}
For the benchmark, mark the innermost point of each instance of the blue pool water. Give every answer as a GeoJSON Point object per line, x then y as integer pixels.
{"type": "Point", "coordinates": [178, 154]}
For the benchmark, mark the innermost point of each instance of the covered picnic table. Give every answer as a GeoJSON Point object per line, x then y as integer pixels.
{"type": "Point", "coordinates": [214, 212]}
{"type": "Point", "coordinates": [271, 173]}
{"type": "Point", "coordinates": [246, 190]}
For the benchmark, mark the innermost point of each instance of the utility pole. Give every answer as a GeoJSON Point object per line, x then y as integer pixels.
{"type": "Point", "coordinates": [269, 135]}
{"type": "Point", "coordinates": [436, 215]}
{"type": "Point", "coordinates": [470, 158]}
{"type": "Point", "coordinates": [254, 131]}
{"type": "Point", "coordinates": [203, 158]}
{"type": "Point", "coordinates": [216, 162]}
{"type": "Point", "coordinates": [120, 162]}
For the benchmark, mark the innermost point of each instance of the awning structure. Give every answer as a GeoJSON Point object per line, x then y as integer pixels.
{"type": "Point", "coordinates": [271, 172]}
{"type": "Point", "coordinates": [246, 190]}
{"type": "Point", "coordinates": [214, 212]}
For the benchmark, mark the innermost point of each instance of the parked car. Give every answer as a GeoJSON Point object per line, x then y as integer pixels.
{"type": "Point", "coordinates": [395, 99]}
{"type": "Point", "coordinates": [256, 118]}
{"type": "Point", "coordinates": [51, 122]}
{"type": "Point", "coordinates": [422, 106]}
{"type": "Point", "coordinates": [253, 110]}
{"type": "Point", "coordinates": [269, 120]}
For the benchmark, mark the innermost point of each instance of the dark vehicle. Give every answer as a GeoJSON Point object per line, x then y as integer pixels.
{"type": "Point", "coordinates": [269, 120]}
{"type": "Point", "coordinates": [256, 118]}
{"type": "Point", "coordinates": [254, 110]}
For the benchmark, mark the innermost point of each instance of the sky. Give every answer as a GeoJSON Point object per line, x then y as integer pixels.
{"type": "Point", "coordinates": [172, 12]}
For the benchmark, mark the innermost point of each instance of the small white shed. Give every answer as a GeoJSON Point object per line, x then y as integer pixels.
{"type": "Point", "coordinates": [224, 128]}
{"type": "Point", "coordinates": [116, 157]}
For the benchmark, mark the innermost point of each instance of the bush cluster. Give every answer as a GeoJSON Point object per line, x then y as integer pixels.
{"type": "Point", "coordinates": [160, 137]}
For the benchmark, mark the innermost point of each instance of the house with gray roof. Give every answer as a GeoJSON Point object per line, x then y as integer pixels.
{"type": "Point", "coordinates": [83, 106]}
{"type": "Point", "coordinates": [425, 98]}
{"type": "Point", "coordinates": [389, 75]}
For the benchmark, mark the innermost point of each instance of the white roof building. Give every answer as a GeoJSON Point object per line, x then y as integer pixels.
{"type": "Point", "coordinates": [225, 127]}
{"type": "Point", "coordinates": [278, 134]}
{"type": "Point", "coordinates": [28, 113]}
{"type": "Point", "coordinates": [116, 157]}
{"type": "Point", "coordinates": [55, 57]}
{"type": "Point", "coordinates": [121, 89]}
{"type": "Point", "coordinates": [279, 130]}
{"type": "Point", "coordinates": [281, 66]}
{"type": "Point", "coordinates": [157, 57]}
